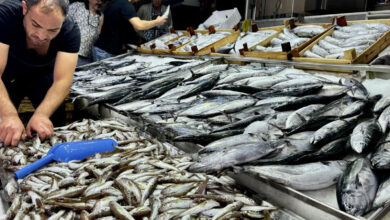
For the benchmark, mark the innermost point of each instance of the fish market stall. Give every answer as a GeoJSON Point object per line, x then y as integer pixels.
{"type": "Point", "coordinates": [283, 119]}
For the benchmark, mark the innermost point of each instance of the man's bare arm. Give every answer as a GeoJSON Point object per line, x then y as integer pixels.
{"type": "Point", "coordinates": [11, 127]}
{"type": "Point", "coordinates": [142, 25]}
{"type": "Point", "coordinates": [63, 75]}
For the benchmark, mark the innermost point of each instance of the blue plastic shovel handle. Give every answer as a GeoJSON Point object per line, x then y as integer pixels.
{"type": "Point", "coordinates": [34, 166]}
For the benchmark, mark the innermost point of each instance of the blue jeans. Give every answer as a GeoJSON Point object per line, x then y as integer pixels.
{"type": "Point", "coordinates": [99, 54]}
{"type": "Point", "coordinates": [81, 61]}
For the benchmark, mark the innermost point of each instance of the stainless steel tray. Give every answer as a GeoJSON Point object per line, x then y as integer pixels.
{"type": "Point", "coordinates": [320, 204]}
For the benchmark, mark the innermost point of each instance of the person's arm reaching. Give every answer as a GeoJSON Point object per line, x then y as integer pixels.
{"type": "Point", "coordinates": [101, 20]}
{"type": "Point", "coordinates": [11, 127]}
{"type": "Point", "coordinates": [142, 25]}
{"type": "Point", "coordinates": [63, 76]}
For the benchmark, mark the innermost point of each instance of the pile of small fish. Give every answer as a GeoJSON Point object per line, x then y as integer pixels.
{"type": "Point", "coordinates": [141, 178]}
{"type": "Point", "coordinates": [14, 158]}
{"type": "Point", "coordinates": [203, 40]}
{"type": "Point", "coordinates": [295, 37]}
{"type": "Point", "coordinates": [161, 41]}
{"type": "Point", "coordinates": [250, 38]}
{"type": "Point", "coordinates": [358, 36]}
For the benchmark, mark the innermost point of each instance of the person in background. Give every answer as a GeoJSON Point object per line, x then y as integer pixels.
{"type": "Point", "coordinates": [38, 50]}
{"type": "Point", "coordinates": [149, 12]}
{"type": "Point", "coordinates": [87, 16]}
{"type": "Point", "coordinates": [119, 19]}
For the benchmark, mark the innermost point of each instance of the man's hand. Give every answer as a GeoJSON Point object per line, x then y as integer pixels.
{"type": "Point", "coordinates": [41, 124]}
{"type": "Point", "coordinates": [11, 130]}
{"type": "Point", "coordinates": [161, 20]}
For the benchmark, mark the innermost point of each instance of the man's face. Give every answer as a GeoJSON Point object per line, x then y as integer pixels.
{"type": "Point", "coordinates": [157, 3]}
{"type": "Point", "coordinates": [41, 25]}
{"type": "Point", "coordinates": [95, 4]}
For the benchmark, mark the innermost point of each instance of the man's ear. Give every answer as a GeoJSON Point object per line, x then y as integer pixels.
{"type": "Point", "coordinates": [24, 5]}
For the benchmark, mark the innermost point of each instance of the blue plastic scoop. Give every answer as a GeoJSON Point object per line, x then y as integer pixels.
{"type": "Point", "coordinates": [68, 151]}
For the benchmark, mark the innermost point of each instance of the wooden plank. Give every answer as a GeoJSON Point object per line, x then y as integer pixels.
{"type": "Point", "coordinates": [216, 45]}
{"type": "Point", "coordinates": [142, 49]}
{"type": "Point", "coordinates": [266, 55]}
{"type": "Point", "coordinates": [329, 32]}
{"type": "Point", "coordinates": [322, 60]}
{"type": "Point", "coordinates": [324, 69]}
{"type": "Point", "coordinates": [350, 54]}
{"type": "Point", "coordinates": [309, 42]}
{"type": "Point", "coordinates": [373, 50]}
{"type": "Point", "coordinates": [225, 55]}
{"type": "Point", "coordinates": [262, 43]}
{"type": "Point", "coordinates": [169, 51]}
{"type": "Point", "coordinates": [187, 53]}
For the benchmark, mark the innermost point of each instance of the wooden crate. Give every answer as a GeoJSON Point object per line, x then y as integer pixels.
{"type": "Point", "coordinates": [284, 55]}
{"type": "Point", "coordinates": [216, 45]}
{"type": "Point", "coordinates": [142, 49]}
{"type": "Point", "coordinates": [261, 43]}
{"type": "Point", "coordinates": [170, 51]}
{"type": "Point", "coordinates": [25, 106]}
{"type": "Point", "coordinates": [26, 110]}
{"type": "Point", "coordinates": [350, 58]}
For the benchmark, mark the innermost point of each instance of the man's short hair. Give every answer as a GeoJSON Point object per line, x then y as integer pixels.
{"type": "Point", "coordinates": [62, 4]}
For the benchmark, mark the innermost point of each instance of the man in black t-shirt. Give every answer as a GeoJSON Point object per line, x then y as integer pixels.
{"type": "Point", "coordinates": [38, 50]}
{"type": "Point", "coordinates": [119, 17]}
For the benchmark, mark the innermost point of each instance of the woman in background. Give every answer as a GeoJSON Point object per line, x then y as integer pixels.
{"type": "Point", "coordinates": [87, 16]}
{"type": "Point", "coordinates": [150, 12]}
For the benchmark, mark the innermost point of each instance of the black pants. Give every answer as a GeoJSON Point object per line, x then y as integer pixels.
{"type": "Point", "coordinates": [35, 89]}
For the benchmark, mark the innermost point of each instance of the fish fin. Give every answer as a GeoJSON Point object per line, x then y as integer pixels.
{"type": "Point", "coordinates": [237, 169]}
{"type": "Point", "coordinates": [325, 162]}
{"type": "Point", "coordinates": [143, 124]}
{"type": "Point", "coordinates": [74, 99]}
{"type": "Point", "coordinates": [383, 142]}
{"type": "Point", "coordinates": [174, 117]}
{"type": "Point", "coordinates": [227, 116]}
{"type": "Point", "coordinates": [301, 117]}
{"type": "Point", "coordinates": [277, 127]}
{"type": "Point", "coordinates": [202, 187]}
{"type": "Point", "coordinates": [192, 73]}
{"type": "Point", "coordinates": [357, 182]}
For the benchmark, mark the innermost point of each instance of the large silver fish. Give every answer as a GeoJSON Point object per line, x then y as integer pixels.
{"type": "Point", "coordinates": [310, 176]}
{"type": "Point", "coordinates": [357, 187]}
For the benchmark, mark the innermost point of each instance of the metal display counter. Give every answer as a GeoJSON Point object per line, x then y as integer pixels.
{"type": "Point", "coordinates": [320, 204]}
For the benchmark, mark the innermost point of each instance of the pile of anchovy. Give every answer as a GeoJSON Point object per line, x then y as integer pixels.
{"type": "Point", "coordinates": [141, 178]}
